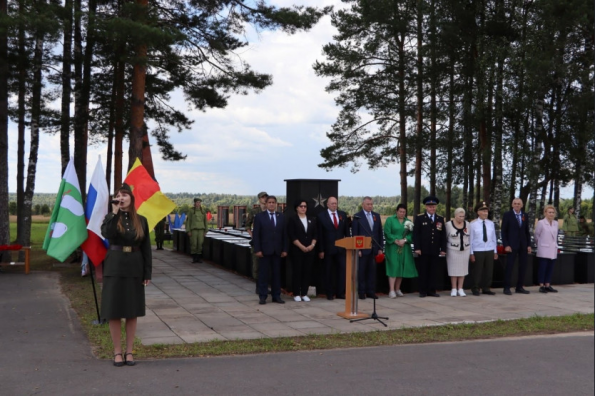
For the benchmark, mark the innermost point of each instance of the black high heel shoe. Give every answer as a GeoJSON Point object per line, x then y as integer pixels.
{"type": "Point", "coordinates": [118, 364]}
{"type": "Point", "coordinates": [129, 362]}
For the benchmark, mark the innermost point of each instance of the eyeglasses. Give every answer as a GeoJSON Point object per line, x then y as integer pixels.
{"type": "Point", "coordinates": [302, 206]}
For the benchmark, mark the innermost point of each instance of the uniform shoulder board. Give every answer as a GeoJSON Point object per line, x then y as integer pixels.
{"type": "Point", "coordinates": [421, 214]}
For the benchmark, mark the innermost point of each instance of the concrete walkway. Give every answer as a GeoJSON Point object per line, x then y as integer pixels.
{"type": "Point", "coordinates": [201, 302]}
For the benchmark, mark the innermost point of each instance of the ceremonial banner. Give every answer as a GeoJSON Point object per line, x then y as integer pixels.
{"type": "Point", "coordinates": [95, 210]}
{"type": "Point", "coordinates": [67, 229]}
{"type": "Point", "coordinates": [149, 200]}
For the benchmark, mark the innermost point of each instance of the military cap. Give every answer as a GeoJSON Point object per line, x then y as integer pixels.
{"type": "Point", "coordinates": [431, 200]}
{"type": "Point", "coordinates": [262, 194]}
{"type": "Point", "coordinates": [481, 206]}
{"type": "Point", "coordinates": [197, 200]}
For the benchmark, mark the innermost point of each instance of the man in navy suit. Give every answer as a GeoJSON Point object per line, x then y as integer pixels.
{"type": "Point", "coordinates": [517, 242]}
{"type": "Point", "coordinates": [332, 226]}
{"type": "Point", "coordinates": [270, 246]}
{"type": "Point", "coordinates": [368, 223]}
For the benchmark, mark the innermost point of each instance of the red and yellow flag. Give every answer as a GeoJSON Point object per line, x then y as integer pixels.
{"type": "Point", "coordinates": [149, 200]}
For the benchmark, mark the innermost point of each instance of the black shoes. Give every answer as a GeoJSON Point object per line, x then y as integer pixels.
{"type": "Point", "coordinates": [195, 258]}
{"type": "Point", "coordinates": [257, 289]}
{"type": "Point", "coordinates": [432, 294]}
{"type": "Point", "coordinates": [278, 300]}
{"type": "Point", "coordinates": [423, 295]}
{"type": "Point", "coordinates": [488, 292]}
{"type": "Point", "coordinates": [550, 289]}
{"type": "Point", "coordinates": [199, 258]}
{"type": "Point", "coordinates": [507, 292]}
{"type": "Point", "coordinates": [341, 296]}
{"type": "Point", "coordinates": [372, 295]}
{"type": "Point", "coordinates": [129, 362]}
{"type": "Point", "coordinates": [521, 290]}
{"type": "Point", "coordinates": [120, 363]}
{"type": "Point", "coordinates": [262, 300]}
{"type": "Point", "coordinates": [475, 292]}
{"type": "Point", "coordinates": [542, 289]}
{"type": "Point", "coordinates": [362, 296]}
{"type": "Point", "coordinates": [330, 297]}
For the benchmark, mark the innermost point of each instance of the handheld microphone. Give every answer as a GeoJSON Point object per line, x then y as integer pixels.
{"type": "Point", "coordinates": [115, 202]}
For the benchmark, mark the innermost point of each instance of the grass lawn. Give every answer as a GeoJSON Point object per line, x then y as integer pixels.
{"type": "Point", "coordinates": [80, 293]}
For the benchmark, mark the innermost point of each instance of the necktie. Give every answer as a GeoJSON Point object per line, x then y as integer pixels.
{"type": "Point", "coordinates": [272, 219]}
{"type": "Point", "coordinates": [485, 232]}
{"type": "Point", "coordinates": [370, 220]}
{"type": "Point", "coordinates": [335, 222]}
{"type": "Point", "coordinates": [432, 219]}
{"type": "Point", "coordinates": [518, 218]}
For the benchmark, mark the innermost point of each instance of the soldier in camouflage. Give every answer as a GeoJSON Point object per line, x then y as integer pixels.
{"type": "Point", "coordinates": [262, 200]}
{"type": "Point", "coordinates": [196, 227]}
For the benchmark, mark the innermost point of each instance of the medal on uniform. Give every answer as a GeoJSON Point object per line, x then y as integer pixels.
{"type": "Point", "coordinates": [439, 226]}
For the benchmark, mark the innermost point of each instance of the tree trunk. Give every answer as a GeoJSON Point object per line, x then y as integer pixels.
{"type": "Point", "coordinates": [534, 170]}
{"type": "Point", "coordinates": [118, 151]}
{"type": "Point", "coordinates": [420, 98]}
{"type": "Point", "coordinates": [80, 131]}
{"type": "Point", "coordinates": [498, 132]}
{"type": "Point", "coordinates": [66, 86]}
{"type": "Point", "coordinates": [402, 123]}
{"type": "Point", "coordinates": [450, 139]}
{"type": "Point", "coordinates": [111, 127]}
{"type": "Point", "coordinates": [4, 71]}
{"type": "Point", "coordinates": [21, 112]}
{"type": "Point", "coordinates": [34, 144]}
{"type": "Point", "coordinates": [137, 109]}
{"type": "Point", "coordinates": [433, 108]}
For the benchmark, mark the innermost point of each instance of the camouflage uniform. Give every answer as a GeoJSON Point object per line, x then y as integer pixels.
{"type": "Point", "coordinates": [159, 233]}
{"type": "Point", "coordinates": [196, 226]}
{"type": "Point", "coordinates": [249, 223]}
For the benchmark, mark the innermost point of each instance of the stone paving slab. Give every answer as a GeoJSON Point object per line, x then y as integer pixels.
{"type": "Point", "coordinates": [189, 303]}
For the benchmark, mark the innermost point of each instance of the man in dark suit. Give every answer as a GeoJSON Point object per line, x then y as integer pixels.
{"type": "Point", "coordinates": [368, 223]}
{"type": "Point", "coordinates": [429, 241]}
{"type": "Point", "coordinates": [270, 246]}
{"type": "Point", "coordinates": [332, 226]}
{"type": "Point", "coordinates": [517, 242]}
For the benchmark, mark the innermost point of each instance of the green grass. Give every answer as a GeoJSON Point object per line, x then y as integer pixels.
{"type": "Point", "coordinates": [80, 293]}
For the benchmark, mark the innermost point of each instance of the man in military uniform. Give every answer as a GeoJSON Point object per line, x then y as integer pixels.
{"type": "Point", "coordinates": [429, 241]}
{"type": "Point", "coordinates": [196, 227]}
{"type": "Point", "coordinates": [159, 234]}
{"type": "Point", "coordinates": [262, 204]}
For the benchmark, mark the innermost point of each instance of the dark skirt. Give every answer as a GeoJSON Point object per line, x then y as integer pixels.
{"type": "Point", "coordinates": [122, 297]}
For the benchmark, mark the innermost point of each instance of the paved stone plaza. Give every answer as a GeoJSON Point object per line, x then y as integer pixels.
{"type": "Point", "coordinates": [202, 302]}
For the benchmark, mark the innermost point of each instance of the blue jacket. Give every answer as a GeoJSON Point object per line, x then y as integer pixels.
{"type": "Point", "coordinates": [268, 239]}
{"type": "Point", "coordinates": [361, 226]}
{"type": "Point", "coordinates": [513, 235]}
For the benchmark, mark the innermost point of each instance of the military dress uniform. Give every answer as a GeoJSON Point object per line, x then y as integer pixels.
{"type": "Point", "coordinates": [196, 225]}
{"type": "Point", "coordinates": [429, 236]}
{"type": "Point", "coordinates": [127, 264]}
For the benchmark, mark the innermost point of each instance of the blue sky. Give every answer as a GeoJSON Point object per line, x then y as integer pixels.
{"type": "Point", "coordinates": [259, 140]}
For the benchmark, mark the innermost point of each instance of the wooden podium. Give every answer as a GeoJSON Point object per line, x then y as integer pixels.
{"type": "Point", "coordinates": [353, 245]}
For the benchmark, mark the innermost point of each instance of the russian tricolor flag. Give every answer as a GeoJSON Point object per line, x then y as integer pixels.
{"type": "Point", "coordinates": [95, 210]}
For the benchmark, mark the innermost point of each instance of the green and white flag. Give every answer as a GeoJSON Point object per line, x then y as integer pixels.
{"type": "Point", "coordinates": [67, 229]}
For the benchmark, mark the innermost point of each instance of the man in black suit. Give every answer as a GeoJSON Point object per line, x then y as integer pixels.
{"type": "Point", "coordinates": [517, 242]}
{"type": "Point", "coordinates": [368, 223]}
{"type": "Point", "coordinates": [270, 246]}
{"type": "Point", "coordinates": [332, 226]}
{"type": "Point", "coordinates": [429, 241]}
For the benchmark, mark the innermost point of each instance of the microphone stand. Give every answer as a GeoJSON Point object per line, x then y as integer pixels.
{"type": "Point", "coordinates": [374, 315]}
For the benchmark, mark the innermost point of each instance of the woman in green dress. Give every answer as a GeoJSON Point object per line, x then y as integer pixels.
{"type": "Point", "coordinates": [398, 233]}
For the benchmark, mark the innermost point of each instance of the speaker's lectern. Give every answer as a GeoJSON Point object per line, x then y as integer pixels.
{"type": "Point", "coordinates": [353, 245]}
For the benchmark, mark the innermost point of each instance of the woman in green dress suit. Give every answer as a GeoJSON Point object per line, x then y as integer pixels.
{"type": "Point", "coordinates": [399, 257]}
{"type": "Point", "coordinates": [126, 271]}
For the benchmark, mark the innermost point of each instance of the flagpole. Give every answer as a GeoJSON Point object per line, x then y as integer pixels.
{"type": "Point", "coordinates": [98, 321]}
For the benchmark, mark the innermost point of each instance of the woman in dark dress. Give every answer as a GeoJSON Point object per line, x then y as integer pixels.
{"type": "Point", "coordinates": [126, 271]}
{"type": "Point", "coordinates": [301, 231]}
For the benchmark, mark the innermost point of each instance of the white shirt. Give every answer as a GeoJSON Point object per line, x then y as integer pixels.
{"type": "Point", "coordinates": [330, 213]}
{"type": "Point", "coordinates": [476, 236]}
{"type": "Point", "coordinates": [304, 222]}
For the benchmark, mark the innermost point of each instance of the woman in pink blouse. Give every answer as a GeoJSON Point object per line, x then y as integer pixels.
{"type": "Point", "coordinates": [546, 239]}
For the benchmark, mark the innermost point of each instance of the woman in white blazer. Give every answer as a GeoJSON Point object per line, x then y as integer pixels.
{"type": "Point", "coordinates": [546, 239]}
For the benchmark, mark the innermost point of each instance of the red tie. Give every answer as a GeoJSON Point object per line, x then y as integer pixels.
{"type": "Point", "coordinates": [335, 221]}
